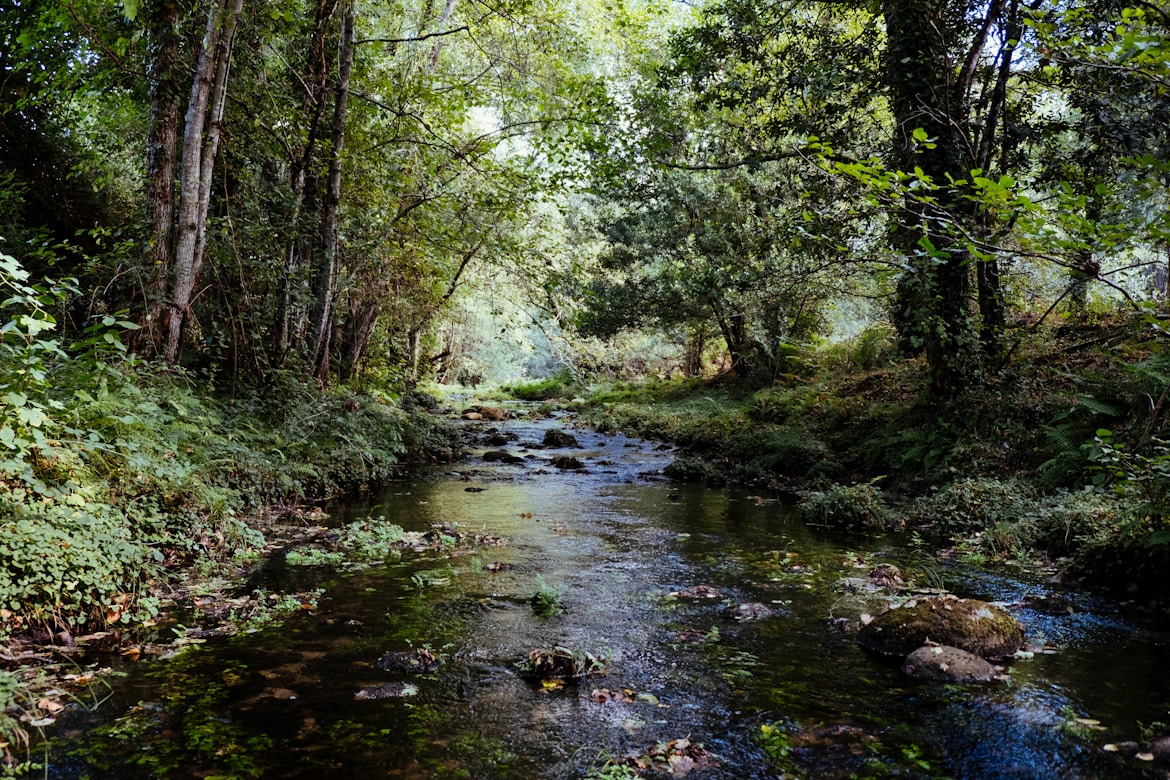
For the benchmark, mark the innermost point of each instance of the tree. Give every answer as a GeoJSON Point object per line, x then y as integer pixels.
{"type": "Point", "coordinates": [201, 132]}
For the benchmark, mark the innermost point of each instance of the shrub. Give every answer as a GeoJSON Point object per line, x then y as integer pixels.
{"type": "Point", "coordinates": [848, 507]}
{"type": "Point", "coordinates": [976, 504]}
{"type": "Point", "coordinates": [691, 469]}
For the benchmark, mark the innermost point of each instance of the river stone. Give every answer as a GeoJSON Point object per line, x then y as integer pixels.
{"type": "Point", "coordinates": [493, 413]}
{"type": "Point", "coordinates": [1161, 750]}
{"type": "Point", "coordinates": [394, 690]}
{"type": "Point", "coordinates": [968, 624]}
{"type": "Point", "coordinates": [555, 437]}
{"type": "Point", "coordinates": [750, 611]}
{"type": "Point", "coordinates": [502, 456]}
{"type": "Point", "coordinates": [567, 462]}
{"type": "Point", "coordinates": [947, 664]}
{"type": "Point", "coordinates": [418, 661]}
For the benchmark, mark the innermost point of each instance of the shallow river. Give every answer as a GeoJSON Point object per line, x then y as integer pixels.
{"type": "Point", "coordinates": [790, 695]}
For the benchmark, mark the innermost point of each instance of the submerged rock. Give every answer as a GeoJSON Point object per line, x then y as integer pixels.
{"type": "Point", "coordinates": [409, 662]}
{"type": "Point", "coordinates": [751, 611]}
{"type": "Point", "coordinates": [967, 624]}
{"type": "Point", "coordinates": [697, 592]}
{"type": "Point", "coordinates": [394, 690]}
{"type": "Point", "coordinates": [1160, 749]}
{"type": "Point", "coordinates": [502, 456]}
{"type": "Point", "coordinates": [947, 664]}
{"type": "Point", "coordinates": [559, 663]}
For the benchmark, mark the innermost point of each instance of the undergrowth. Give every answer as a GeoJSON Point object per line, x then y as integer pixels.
{"type": "Point", "coordinates": [1065, 453]}
{"type": "Point", "coordinates": [113, 472]}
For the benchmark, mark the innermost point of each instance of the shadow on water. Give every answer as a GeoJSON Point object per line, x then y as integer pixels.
{"type": "Point", "coordinates": [789, 695]}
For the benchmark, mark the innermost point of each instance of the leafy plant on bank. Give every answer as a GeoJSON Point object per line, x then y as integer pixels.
{"type": "Point", "coordinates": [847, 507]}
{"type": "Point", "coordinates": [110, 471]}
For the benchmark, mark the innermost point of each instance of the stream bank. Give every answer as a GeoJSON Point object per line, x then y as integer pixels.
{"type": "Point", "coordinates": [649, 578]}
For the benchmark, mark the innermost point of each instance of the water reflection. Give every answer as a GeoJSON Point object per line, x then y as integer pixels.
{"type": "Point", "coordinates": [613, 543]}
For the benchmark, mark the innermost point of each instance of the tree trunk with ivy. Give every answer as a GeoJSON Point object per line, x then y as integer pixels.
{"type": "Point", "coordinates": [933, 308]}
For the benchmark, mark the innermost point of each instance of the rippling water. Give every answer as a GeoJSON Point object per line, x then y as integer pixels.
{"type": "Point", "coordinates": [614, 543]}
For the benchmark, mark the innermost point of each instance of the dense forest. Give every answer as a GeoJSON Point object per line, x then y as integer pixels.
{"type": "Point", "coordinates": [918, 250]}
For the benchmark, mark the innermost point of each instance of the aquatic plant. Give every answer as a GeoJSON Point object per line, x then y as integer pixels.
{"type": "Point", "coordinates": [547, 601]}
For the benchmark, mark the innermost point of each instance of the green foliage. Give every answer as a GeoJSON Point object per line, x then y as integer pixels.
{"type": "Point", "coordinates": [847, 507]}
{"type": "Point", "coordinates": [976, 504]}
{"type": "Point", "coordinates": [875, 347]}
{"type": "Point", "coordinates": [13, 736]}
{"type": "Point", "coordinates": [775, 741]}
{"type": "Point", "coordinates": [107, 469]}
{"type": "Point", "coordinates": [547, 601]}
{"type": "Point", "coordinates": [559, 386]}
{"type": "Point", "coordinates": [610, 771]}
{"type": "Point", "coordinates": [692, 469]}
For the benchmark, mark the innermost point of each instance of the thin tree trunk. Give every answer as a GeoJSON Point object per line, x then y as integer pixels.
{"type": "Point", "coordinates": [200, 143]}
{"type": "Point", "coordinates": [693, 352]}
{"type": "Point", "coordinates": [323, 286]}
{"type": "Point", "coordinates": [363, 316]}
{"type": "Point", "coordinates": [304, 182]}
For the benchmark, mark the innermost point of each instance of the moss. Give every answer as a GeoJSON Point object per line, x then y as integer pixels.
{"type": "Point", "coordinates": [968, 624]}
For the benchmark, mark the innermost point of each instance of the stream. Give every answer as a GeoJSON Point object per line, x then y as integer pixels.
{"type": "Point", "coordinates": [787, 695]}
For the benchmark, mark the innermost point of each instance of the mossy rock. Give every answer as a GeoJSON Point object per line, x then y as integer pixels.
{"type": "Point", "coordinates": [968, 624]}
{"type": "Point", "coordinates": [947, 664]}
{"type": "Point", "coordinates": [555, 437]}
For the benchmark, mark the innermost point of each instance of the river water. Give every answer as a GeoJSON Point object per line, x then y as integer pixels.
{"type": "Point", "coordinates": [788, 695]}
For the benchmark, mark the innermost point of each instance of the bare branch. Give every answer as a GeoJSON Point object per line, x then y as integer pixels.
{"type": "Point", "coordinates": [415, 39]}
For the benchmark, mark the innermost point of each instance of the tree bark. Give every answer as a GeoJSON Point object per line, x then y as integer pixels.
{"type": "Point", "coordinates": [161, 152]}
{"type": "Point", "coordinates": [934, 297]}
{"type": "Point", "coordinates": [323, 285]}
{"type": "Point", "coordinates": [200, 144]}
{"type": "Point", "coordinates": [360, 322]}
{"type": "Point", "coordinates": [303, 179]}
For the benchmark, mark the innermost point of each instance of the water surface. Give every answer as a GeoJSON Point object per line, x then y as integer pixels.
{"type": "Point", "coordinates": [613, 542]}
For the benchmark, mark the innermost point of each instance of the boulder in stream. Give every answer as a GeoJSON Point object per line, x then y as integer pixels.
{"type": "Point", "coordinates": [1160, 749]}
{"type": "Point", "coordinates": [502, 456]}
{"type": "Point", "coordinates": [567, 463]}
{"type": "Point", "coordinates": [968, 624]}
{"type": "Point", "coordinates": [555, 437]}
{"type": "Point", "coordinates": [493, 413]}
{"type": "Point", "coordinates": [947, 664]}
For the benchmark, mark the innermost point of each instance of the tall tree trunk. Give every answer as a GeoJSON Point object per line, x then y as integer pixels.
{"type": "Point", "coordinates": [200, 144]}
{"type": "Point", "coordinates": [933, 309]}
{"type": "Point", "coordinates": [323, 284]}
{"type": "Point", "coordinates": [1087, 266]}
{"type": "Point", "coordinates": [161, 151]}
{"type": "Point", "coordinates": [304, 181]}
{"type": "Point", "coordinates": [992, 315]}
